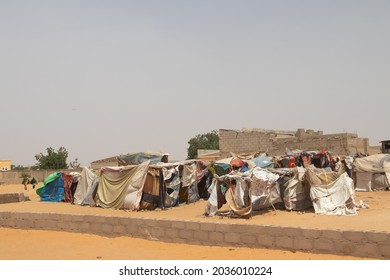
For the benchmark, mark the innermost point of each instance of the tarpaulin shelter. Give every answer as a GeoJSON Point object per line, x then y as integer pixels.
{"type": "Point", "coordinates": [243, 192]}
{"type": "Point", "coordinates": [180, 181]}
{"type": "Point", "coordinates": [331, 194]}
{"type": "Point", "coordinates": [52, 189]}
{"type": "Point", "coordinates": [56, 187]}
{"type": "Point", "coordinates": [147, 187]}
{"type": "Point", "coordinates": [172, 184]}
{"type": "Point", "coordinates": [372, 172]}
{"type": "Point", "coordinates": [231, 189]}
{"type": "Point", "coordinates": [152, 192]}
{"type": "Point", "coordinates": [264, 190]}
{"type": "Point", "coordinates": [295, 191]}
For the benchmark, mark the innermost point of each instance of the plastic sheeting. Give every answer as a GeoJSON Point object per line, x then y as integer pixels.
{"type": "Point", "coordinates": [263, 162]}
{"type": "Point", "coordinates": [264, 191]}
{"type": "Point", "coordinates": [172, 186]}
{"type": "Point", "coordinates": [52, 189]}
{"type": "Point", "coordinates": [296, 195]}
{"type": "Point", "coordinates": [138, 158]}
{"type": "Point", "coordinates": [335, 198]}
{"type": "Point", "coordinates": [255, 189]}
{"type": "Point", "coordinates": [379, 163]}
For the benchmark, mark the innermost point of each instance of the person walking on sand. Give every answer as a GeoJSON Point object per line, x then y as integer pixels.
{"type": "Point", "coordinates": [25, 182]}
{"type": "Point", "coordinates": [33, 182]}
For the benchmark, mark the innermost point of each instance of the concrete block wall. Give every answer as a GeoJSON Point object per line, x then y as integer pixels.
{"type": "Point", "coordinates": [370, 244]}
{"type": "Point", "coordinates": [12, 197]}
{"type": "Point", "coordinates": [267, 141]}
{"type": "Point", "coordinates": [15, 177]}
{"type": "Point", "coordinates": [244, 141]}
{"type": "Point", "coordinates": [336, 144]}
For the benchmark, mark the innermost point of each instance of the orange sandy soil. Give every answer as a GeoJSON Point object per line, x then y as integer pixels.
{"type": "Point", "coordinates": [17, 244]}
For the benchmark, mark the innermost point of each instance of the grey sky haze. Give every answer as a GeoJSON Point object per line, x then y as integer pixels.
{"type": "Point", "coordinates": [103, 78]}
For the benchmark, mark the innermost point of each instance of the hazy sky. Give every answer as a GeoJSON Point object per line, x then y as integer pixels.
{"type": "Point", "coordinates": [104, 78]}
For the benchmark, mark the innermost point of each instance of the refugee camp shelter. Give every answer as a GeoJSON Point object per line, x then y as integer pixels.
{"type": "Point", "coordinates": [372, 172]}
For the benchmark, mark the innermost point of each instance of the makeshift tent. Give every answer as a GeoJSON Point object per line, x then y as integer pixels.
{"type": "Point", "coordinates": [90, 196]}
{"type": "Point", "coordinates": [244, 192]}
{"type": "Point", "coordinates": [121, 187]}
{"type": "Point", "coordinates": [151, 192]}
{"type": "Point", "coordinates": [172, 185]}
{"type": "Point", "coordinates": [57, 187]}
{"type": "Point", "coordinates": [76, 177]}
{"type": "Point", "coordinates": [264, 190]}
{"type": "Point", "coordinates": [87, 177]}
{"type": "Point", "coordinates": [331, 195]}
{"type": "Point", "coordinates": [372, 172]}
{"type": "Point", "coordinates": [189, 188]}
{"type": "Point", "coordinates": [232, 189]}
{"type": "Point", "coordinates": [179, 182]}
{"type": "Point", "coordinates": [52, 189]}
{"type": "Point", "coordinates": [295, 191]}
{"type": "Point", "coordinates": [67, 180]}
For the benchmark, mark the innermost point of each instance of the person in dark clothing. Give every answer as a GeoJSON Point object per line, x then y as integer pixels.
{"type": "Point", "coordinates": [33, 182]}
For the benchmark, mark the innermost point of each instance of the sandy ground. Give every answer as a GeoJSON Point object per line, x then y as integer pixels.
{"type": "Point", "coordinates": [19, 244]}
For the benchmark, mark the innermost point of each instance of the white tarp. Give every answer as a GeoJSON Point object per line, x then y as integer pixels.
{"type": "Point", "coordinates": [372, 172]}
{"type": "Point", "coordinates": [264, 190]}
{"type": "Point", "coordinates": [85, 182]}
{"type": "Point", "coordinates": [335, 198]}
{"type": "Point", "coordinates": [379, 163]}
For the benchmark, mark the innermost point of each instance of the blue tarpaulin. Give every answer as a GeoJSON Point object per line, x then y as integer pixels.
{"type": "Point", "coordinates": [263, 162]}
{"type": "Point", "coordinates": [53, 188]}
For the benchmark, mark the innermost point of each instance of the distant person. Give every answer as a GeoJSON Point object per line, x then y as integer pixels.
{"type": "Point", "coordinates": [33, 182]}
{"type": "Point", "coordinates": [25, 182]}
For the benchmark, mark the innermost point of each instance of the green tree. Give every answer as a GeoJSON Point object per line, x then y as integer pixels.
{"type": "Point", "coordinates": [53, 159]}
{"type": "Point", "coordinates": [207, 141]}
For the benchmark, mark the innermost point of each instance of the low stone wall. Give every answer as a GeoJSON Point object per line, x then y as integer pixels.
{"type": "Point", "coordinates": [370, 244]}
{"type": "Point", "coordinates": [12, 197]}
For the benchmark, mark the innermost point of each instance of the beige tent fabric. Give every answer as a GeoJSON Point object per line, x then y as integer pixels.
{"type": "Point", "coordinates": [379, 163]}
{"type": "Point", "coordinates": [297, 193]}
{"type": "Point", "coordinates": [236, 208]}
{"type": "Point", "coordinates": [151, 190]}
{"type": "Point", "coordinates": [320, 176]}
{"type": "Point", "coordinates": [121, 187]}
{"type": "Point", "coordinates": [189, 174]}
{"type": "Point", "coordinates": [363, 182]}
